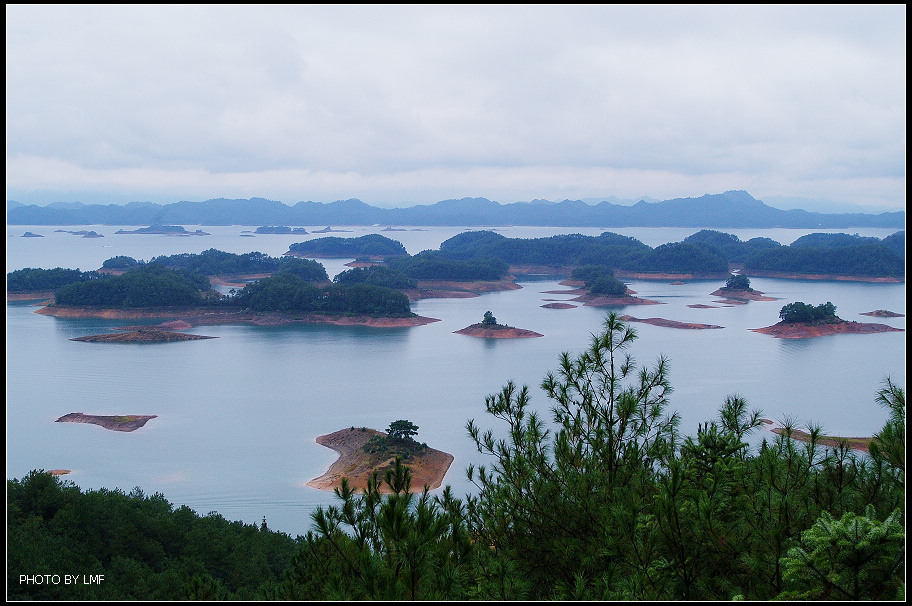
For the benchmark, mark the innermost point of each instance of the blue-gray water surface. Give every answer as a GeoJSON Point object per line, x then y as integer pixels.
{"type": "Point", "coordinates": [237, 416]}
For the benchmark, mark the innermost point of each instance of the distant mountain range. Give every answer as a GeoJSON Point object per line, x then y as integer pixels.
{"type": "Point", "coordinates": [732, 209]}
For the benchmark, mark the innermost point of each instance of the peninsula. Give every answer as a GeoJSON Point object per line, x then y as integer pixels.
{"type": "Point", "coordinates": [114, 423]}
{"type": "Point", "coordinates": [357, 463]}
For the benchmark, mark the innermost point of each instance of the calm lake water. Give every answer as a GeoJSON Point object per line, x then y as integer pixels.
{"type": "Point", "coordinates": [238, 415]}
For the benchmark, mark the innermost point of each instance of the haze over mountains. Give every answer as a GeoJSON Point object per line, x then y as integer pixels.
{"type": "Point", "coordinates": [733, 209]}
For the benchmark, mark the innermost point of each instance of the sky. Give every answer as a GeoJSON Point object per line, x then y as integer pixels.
{"type": "Point", "coordinates": [399, 105]}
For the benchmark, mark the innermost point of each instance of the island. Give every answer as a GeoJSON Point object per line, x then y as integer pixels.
{"type": "Point", "coordinates": [83, 233]}
{"type": "Point", "coordinates": [859, 444]}
{"type": "Point", "coordinates": [280, 229]}
{"type": "Point", "coordinates": [737, 290]}
{"type": "Point", "coordinates": [669, 323]}
{"type": "Point", "coordinates": [193, 316]}
{"type": "Point", "coordinates": [363, 451]}
{"type": "Point", "coordinates": [169, 288]}
{"type": "Point", "coordinates": [143, 335]}
{"type": "Point", "coordinates": [114, 423]}
{"type": "Point", "coordinates": [167, 230]}
{"type": "Point", "coordinates": [802, 321]}
{"type": "Point", "coordinates": [883, 313]}
{"type": "Point", "coordinates": [488, 328]}
{"type": "Point", "coordinates": [29, 234]}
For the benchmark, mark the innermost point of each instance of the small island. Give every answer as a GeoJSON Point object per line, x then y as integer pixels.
{"type": "Point", "coordinates": [29, 234]}
{"type": "Point", "coordinates": [167, 230]}
{"type": "Point", "coordinates": [114, 423]}
{"type": "Point", "coordinates": [488, 328]}
{"type": "Point", "coordinates": [883, 313]}
{"type": "Point", "coordinates": [280, 229]}
{"type": "Point", "coordinates": [737, 290]}
{"type": "Point", "coordinates": [363, 451]}
{"type": "Point", "coordinates": [801, 321]}
{"type": "Point", "coordinates": [143, 335]}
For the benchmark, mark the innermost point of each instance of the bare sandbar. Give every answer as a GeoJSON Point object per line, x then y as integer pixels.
{"type": "Point", "coordinates": [669, 323]}
{"type": "Point", "coordinates": [115, 423]}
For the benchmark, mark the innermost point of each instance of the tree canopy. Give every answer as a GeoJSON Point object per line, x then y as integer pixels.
{"type": "Point", "coordinates": [402, 430]}
{"type": "Point", "coordinates": [799, 311]}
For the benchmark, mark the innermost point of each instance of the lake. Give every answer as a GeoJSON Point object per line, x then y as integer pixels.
{"type": "Point", "coordinates": [237, 416]}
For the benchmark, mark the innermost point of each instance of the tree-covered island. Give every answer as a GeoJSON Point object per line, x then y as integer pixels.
{"type": "Point", "coordinates": [737, 289]}
{"type": "Point", "coordinates": [288, 289]}
{"type": "Point", "coordinates": [800, 320]}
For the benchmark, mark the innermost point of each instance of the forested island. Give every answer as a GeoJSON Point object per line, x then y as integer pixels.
{"type": "Point", "coordinates": [467, 264]}
{"type": "Point", "coordinates": [609, 503]}
{"type": "Point", "coordinates": [737, 289]}
{"type": "Point", "coordinates": [800, 320]}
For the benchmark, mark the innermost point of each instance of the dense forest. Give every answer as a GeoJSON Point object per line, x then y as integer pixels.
{"type": "Point", "coordinates": [145, 548]}
{"type": "Point", "coordinates": [435, 265]}
{"type": "Point", "coordinates": [604, 500]}
{"type": "Point", "coordinates": [371, 245]}
{"type": "Point", "coordinates": [801, 312]}
{"type": "Point", "coordinates": [35, 279]}
{"type": "Point", "coordinates": [144, 286]}
{"type": "Point", "coordinates": [287, 293]}
{"type": "Point", "coordinates": [706, 252]}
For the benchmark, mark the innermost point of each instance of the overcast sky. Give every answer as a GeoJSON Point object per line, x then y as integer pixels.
{"type": "Point", "coordinates": [398, 105]}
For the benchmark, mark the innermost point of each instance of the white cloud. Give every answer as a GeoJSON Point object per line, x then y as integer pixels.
{"type": "Point", "coordinates": [402, 103]}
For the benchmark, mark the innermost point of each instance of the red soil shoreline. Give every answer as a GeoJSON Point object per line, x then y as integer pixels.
{"type": "Point", "coordinates": [201, 317]}
{"type": "Point", "coordinates": [427, 469]}
{"type": "Point", "coordinates": [831, 277]}
{"type": "Point", "coordinates": [497, 333]}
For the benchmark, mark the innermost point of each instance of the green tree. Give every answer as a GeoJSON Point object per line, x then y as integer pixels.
{"type": "Point", "coordinates": [889, 444]}
{"type": "Point", "coordinates": [402, 430]}
{"type": "Point", "coordinates": [394, 546]}
{"type": "Point", "coordinates": [738, 282]}
{"type": "Point", "coordinates": [564, 505]}
{"type": "Point", "coordinates": [851, 558]}
{"type": "Point", "coordinates": [489, 319]}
